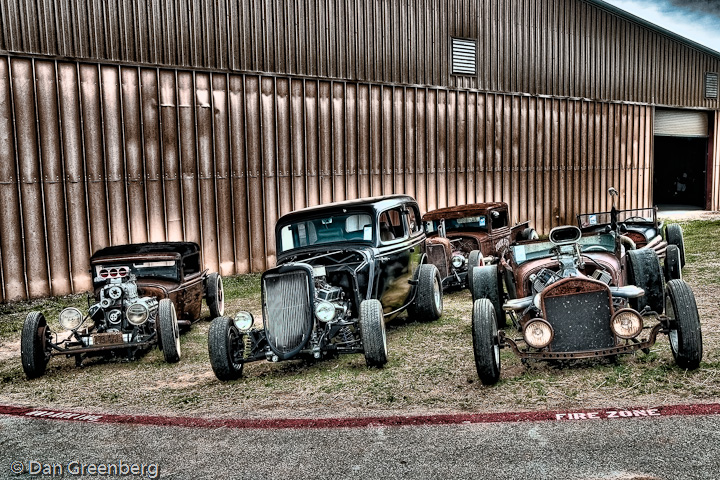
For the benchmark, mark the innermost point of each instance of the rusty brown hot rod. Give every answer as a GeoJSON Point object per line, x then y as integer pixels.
{"type": "Point", "coordinates": [467, 236]}
{"type": "Point", "coordinates": [143, 295]}
{"type": "Point", "coordinates": [580, 296]}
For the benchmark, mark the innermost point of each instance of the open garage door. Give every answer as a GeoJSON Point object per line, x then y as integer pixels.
{"type": "Point", "coordinates": [681, 153]}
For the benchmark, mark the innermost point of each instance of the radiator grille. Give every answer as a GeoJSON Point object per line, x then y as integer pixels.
{"type": "Point", "coordinates": [288, 313]}
{"type": "Point", "coordinates": [581, 321]}
{"type": "Point", "coordinates": [436, 255]}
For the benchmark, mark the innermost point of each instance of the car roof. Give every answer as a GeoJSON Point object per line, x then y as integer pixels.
{"type": "Point", "coordinates": [462, 210]}
{"type": "Point", "coordinates": [378, 204]}
{"type": "Point", "coordinates": [180, 248]}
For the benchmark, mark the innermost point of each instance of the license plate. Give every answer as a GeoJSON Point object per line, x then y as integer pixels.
{"type": "Point", "coordinates": [107, 338]}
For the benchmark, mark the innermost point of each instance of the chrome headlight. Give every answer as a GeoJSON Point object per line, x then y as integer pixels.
{"type": "Point", "coordinates": [243, 321]}
{"type": "Point", "coordinates": [137, 314]}
{"type": "Point", "coordinates": [458, 261]}
{"type": "Point", "coordinates": [538, 333]}
{"type": "Point", "coordinates": [324, 311]}
{"type": "Point", "coordinates": [626, 323]}
{"type": "Point", "coordinates": [71, 318]}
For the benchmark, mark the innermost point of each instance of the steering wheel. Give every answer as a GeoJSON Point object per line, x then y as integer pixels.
{"type": "Point", "coordinates": [636, 219]}
{"type": "Point", "coordinates": [595, 248]}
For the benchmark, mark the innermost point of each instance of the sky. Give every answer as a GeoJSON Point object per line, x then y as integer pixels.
{"type": "Point", "coordinates": [697, 20]}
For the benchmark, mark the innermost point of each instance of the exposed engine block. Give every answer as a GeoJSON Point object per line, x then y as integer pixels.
{"type": "Point", "coordinates": [118, 290]}
{"type": "Point", "coordinates": [115, 298]}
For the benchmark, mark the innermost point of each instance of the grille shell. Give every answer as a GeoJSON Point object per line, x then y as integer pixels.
{"type": "Point", "coordinates": [579, 311]}
{"type": "Point", "coordinates": [288, 318]}
{"type": "Point", "coordinates": [437, 253]}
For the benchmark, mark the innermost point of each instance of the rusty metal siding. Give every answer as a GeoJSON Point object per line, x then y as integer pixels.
{"type": "Point", "coordinates": [95, 155]}
{"type": "Point", "coordinates": [566, 48]}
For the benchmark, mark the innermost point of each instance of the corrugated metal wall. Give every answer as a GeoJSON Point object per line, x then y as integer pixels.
{"type": "Point", "coordinates": [567, 48]}
{"type": "Point", "coordinates": [97, 154]}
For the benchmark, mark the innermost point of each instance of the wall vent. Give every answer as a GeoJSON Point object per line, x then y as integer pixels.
{"type": "Point", "coordinates": [711, 85]}
{"type": "Point", "coordinates": [464, 53]}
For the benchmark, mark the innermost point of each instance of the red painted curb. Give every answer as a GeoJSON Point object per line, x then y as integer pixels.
{"type": "Point", "coordinates": [358, 422]}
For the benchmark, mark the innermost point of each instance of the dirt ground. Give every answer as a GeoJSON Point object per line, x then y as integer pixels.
{"type": "Point", "coordinates": [430, 371]}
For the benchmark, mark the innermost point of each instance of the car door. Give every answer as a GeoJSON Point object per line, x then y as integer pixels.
{"type": "Point", "coordinates": [416, 248]}
{"type": "Point", "coordinates": [393, 271]}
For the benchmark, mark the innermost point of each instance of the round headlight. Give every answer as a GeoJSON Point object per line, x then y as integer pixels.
{"type": "Point", "coordinates": [71, 318]}
{"type": "Point", "coordinates": [458, 261]}
{"type": "Point", "coordinates": [538, 333]}
{"type": "Point", "coordinates": [325, 311]}
{"type": "Point", "coordinates": [244, 321]}
{"type": "Point", "coordinates": [626, 323]}
{"type": "Point", "coordinates": [137, 314]}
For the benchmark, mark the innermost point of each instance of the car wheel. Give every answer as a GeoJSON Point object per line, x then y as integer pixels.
{"type": "Point", "coordinates": [168, 330]}
{"type": "Point", "coordinates": [644, 271]}
{"type": "Point", "coordinates": [215, 295]}
{"type": "Point", "coordinates": [34, 345]}
{"type": "Point", "coordinates": [673, 271]}
{"type": "Point", "coordinates": [428, 303]}
{"type": "Point", "coordinates": [475, 259]}
{"type": "Point", "coordinates": [487, 284]}
{"type": "Point", "coordinates": [485, 341]}
{"type": "Point", "coordinates": [372, 333]}
{"type": "Point", "coordinates": [225, 347]}
{"type": "Point", "coordinates": [528, 234]}
{"type": "Point", "coordinates": [685, 334]}
{"type": "Point", "coordinates": [674, 236]}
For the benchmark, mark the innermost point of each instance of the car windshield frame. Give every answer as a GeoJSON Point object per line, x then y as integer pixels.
{"type": "Point", "coordinates": [589, 220]}
{"type": "Point", "coordinates": [335, 225]}
{"type": "Point", "coordinates": [523, 253]}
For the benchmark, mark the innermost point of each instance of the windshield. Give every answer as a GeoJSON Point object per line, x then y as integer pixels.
{"type": "Point", "coordinates": [139, 268]}
{"type": "Point", "coordinates": [592, 243]}
{"type": "Point", "coordinates": [475, 223]}
{"type": "Point", "coordinates": [635, 215]}
{"type": "Point", "coordinates": [355, 227]}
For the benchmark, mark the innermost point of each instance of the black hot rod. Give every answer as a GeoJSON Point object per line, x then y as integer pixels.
{"type": "Point", "coordinates": [343, 269]}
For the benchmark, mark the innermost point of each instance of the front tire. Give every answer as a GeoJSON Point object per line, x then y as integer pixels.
{"type": "Point", "coordinates": [168, 330]}
{"type": "Point", "coordinates": [475, 259]}
{"type": "Point", "coordinates": [372, 333]}
{"type": "Point", "coordinates": [487, 284]}
{"type": "Point", "coordinates": [428, 303]}
{"type": "Point", "coordinates": [225, 346]}
{"type": "Point", "coordinates": [528, 233]}
{"type": "Point", "coordinates": [215, 295]}
{"type": "Point", "coordinates": [644, 271]}
{"type": "Point", "coordinates": [685, 333]}
{"type": "Point", "coordinates": [674, 236]}
{"type": "Point", "coordinates": [486, 348]}
{"type": "Point", "coordinates": [34, 345]}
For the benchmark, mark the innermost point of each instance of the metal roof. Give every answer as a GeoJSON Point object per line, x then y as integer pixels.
{"type": "Point", "coordinates": [634, 18]}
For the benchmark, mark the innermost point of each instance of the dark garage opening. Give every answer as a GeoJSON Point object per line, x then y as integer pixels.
{"type": "Point", "coordinates": [679, 171]}
{"type": "Point", "coordinates": [681, 153]}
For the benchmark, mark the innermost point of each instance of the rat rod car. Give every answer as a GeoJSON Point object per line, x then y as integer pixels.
{"type": "Point", "coordinates": [343, 269]}
{"type": "Point", "coordinates": [641, 228]}
{"type": "Point", "coordinates": [582, 296]}
{"type": "Point", "coordinates": [143, 294]}
{"type": "Point", "coordinates": [467, 236]}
